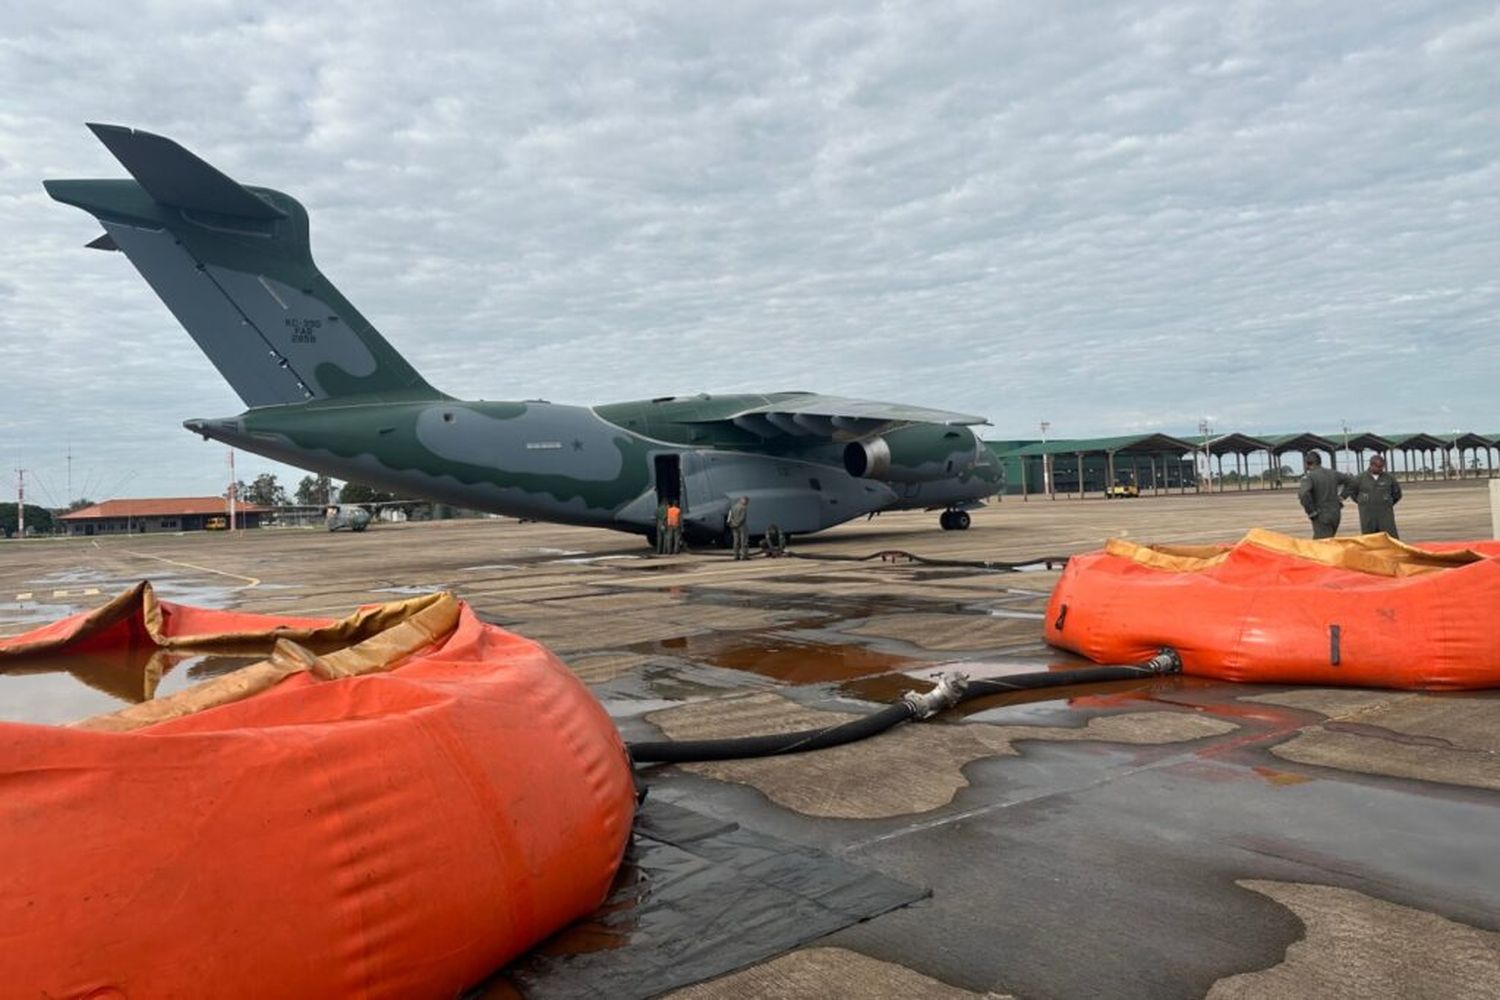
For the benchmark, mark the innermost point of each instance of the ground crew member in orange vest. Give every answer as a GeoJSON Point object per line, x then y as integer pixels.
{"type": "Point", "coordinates": [674, 528]}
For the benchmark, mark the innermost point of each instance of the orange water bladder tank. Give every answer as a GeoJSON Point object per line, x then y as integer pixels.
{"type": "Point", "coordinates": [391, 805]}
{"type": "Point", "coordinates": [1364, 611]}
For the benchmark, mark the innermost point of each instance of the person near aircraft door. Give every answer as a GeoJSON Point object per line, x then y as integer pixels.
{"type": "Point", "coordinates": [774, 541]}
{"type": "Point", "coordinates": [661, 527]}
{"type": "Point", "coordinates": [1319, 494]}
{"type": "Point", "coordinates": [1376, 493]}
{"type": "Point", "coordinates": [735, 521]}
{"type": "Point", "coordinates": [674, 528]}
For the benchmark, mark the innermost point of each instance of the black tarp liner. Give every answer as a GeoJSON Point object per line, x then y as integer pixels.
{"type": "Point", "coordinates": [697, 898]}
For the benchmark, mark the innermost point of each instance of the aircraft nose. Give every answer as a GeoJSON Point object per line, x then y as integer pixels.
{"type": "Point", "coordinates": [220, 429]}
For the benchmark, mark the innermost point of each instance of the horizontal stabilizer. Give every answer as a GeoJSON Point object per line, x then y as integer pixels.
{"type": "Point", "coordinates": [174, 176]}
{"type": "Point", "coordinates": [233, 265]}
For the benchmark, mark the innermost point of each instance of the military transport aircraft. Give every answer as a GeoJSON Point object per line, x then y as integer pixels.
{"type": "Point", "coordinates": [326, 392]}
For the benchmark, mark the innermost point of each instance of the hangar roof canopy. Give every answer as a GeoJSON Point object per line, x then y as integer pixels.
{"type": "Point", "coordinates": [1129, 444]}
{"type": "Point", "coordinates": [1364, 441]}
{"type": "Point", "coordinates": [1237, 444]}
{"type": "Point", "coordinates": [1306, 441]}
{"type": "Point", "coordinates": [1419, 440]}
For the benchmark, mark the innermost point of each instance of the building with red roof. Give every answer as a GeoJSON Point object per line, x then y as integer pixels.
{"type": "Point", "coordinates": [156, 514]}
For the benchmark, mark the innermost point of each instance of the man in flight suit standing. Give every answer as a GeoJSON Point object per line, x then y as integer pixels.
{"type": "Point", "coordinates": [661, 528]}
{"type": "Point", "coordinates": [735, 521]}
{"type": "Point", "coordinates": [1377, 493]}
{"type": "Point", "coordinates": [1319, 494]}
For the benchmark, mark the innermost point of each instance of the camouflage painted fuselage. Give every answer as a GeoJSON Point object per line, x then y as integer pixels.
{"type": "Point", "coordinates": [596, 465]}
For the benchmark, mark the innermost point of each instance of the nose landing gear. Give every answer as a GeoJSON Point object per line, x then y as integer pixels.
{"type": "Point", "coordinates": [954, 520]}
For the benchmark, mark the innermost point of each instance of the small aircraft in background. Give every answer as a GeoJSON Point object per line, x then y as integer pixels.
{"type": "Point", "coordinates": [337, 516]}
{"type": "Point", "coordinates": [346, 515]}
{"type": "Point", "coordinates": [359, 516]}
{"type": "Point", "coordinates": [326, 392]}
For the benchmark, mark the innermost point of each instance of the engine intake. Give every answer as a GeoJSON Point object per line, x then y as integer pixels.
{"type": "Point", "coordinates": [920, 453]}
{"type": "Point", "coordinates": [868, 459]}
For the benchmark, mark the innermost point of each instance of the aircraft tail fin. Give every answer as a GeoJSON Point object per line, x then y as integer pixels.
{"type": "Point", "coordinates": [233, 263]}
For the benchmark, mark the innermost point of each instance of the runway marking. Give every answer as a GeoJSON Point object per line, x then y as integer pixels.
{"type": "Point", "coordinates": [251, 581]}
{"type": "Point", "coordinates": [24, 597]}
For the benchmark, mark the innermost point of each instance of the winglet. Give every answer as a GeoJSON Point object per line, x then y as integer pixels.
{"type": "Point", "coordinates": [104, 242]}
{"type": "Point", "coordinates": [174, 176]}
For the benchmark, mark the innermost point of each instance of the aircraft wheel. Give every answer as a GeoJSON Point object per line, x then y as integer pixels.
{"type": "Point", "coordinates": [945, 520]}
{"type": "Point", "coordinates": [961, 520]}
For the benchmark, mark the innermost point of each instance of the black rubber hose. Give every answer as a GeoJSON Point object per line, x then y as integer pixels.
{"type": "Point", "coordinates": [891, 555]}
{"type": "Point", "coordinates": [913, 706]}
{"type": "Point", "coordinates": [1056, 678]}
{"type": "Point", "coordinates": [693, 751]}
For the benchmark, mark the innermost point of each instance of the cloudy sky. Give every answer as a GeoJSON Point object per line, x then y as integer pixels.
{"type": "Point", "coordinates": [1112, 216]}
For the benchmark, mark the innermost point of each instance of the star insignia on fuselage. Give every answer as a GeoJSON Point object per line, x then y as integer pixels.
{"type": "Point", "coordinates": [577, 445]}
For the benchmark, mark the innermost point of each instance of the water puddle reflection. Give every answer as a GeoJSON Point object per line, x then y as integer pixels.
{"type": "Point", "coordinates": [786, 658]}
{"type": "Point", "coordinates": [53, 690]}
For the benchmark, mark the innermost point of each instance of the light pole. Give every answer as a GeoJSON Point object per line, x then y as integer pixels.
{"type": "Point", "coordinates": [231, 494]}
{"type": "Point", "coordinates": [1046, 462]}
{"type": "Point", "coordinates": [1206, 430]}
{"type": "Point", "coordinates": [1346, 440]}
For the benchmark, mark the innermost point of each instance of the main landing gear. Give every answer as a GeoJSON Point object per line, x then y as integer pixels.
{"type": "Point", "coordinates": [954, 520]}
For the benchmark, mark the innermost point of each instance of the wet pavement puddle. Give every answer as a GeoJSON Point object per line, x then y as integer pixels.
{"type": "Point", "coordinates": [57, 595]}
{"type": "Point", "coordinates": [785, 657]}
{"type": "Point", "coordinates": [713, 895]}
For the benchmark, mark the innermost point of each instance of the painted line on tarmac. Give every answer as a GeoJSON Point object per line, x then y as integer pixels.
{"type": "Point", "coordinates": [251, 581]}
{"type": "Point", "coordinates": [27, 595]}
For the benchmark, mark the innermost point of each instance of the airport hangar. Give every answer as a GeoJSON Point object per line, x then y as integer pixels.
{"type": "Point", "coordinates": [1162, 463]}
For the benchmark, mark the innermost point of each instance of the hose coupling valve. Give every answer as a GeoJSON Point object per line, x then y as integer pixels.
{"type": "Point", "coordinates": [948, 692]}
{"type": "Point", "coordinates": [1166, 661]}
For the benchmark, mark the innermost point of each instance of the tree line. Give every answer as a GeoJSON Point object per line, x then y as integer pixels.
{"type": "Point", "coordinates": [312, 491]}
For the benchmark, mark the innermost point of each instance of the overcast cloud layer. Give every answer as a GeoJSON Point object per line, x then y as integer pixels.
{"type": "Point", "coordinates": [1117, 217]}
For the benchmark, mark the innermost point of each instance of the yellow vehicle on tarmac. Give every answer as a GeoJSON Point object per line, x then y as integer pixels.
{"type": "Point", "coordinates": [1122, 489]}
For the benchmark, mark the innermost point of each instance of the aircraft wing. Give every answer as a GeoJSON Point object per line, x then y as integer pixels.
{"type": "Point", "coordinates": [815, 415]}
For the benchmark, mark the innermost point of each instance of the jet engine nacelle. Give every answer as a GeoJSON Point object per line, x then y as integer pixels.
{"type": "Point", "coordinates": [921, 453]}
